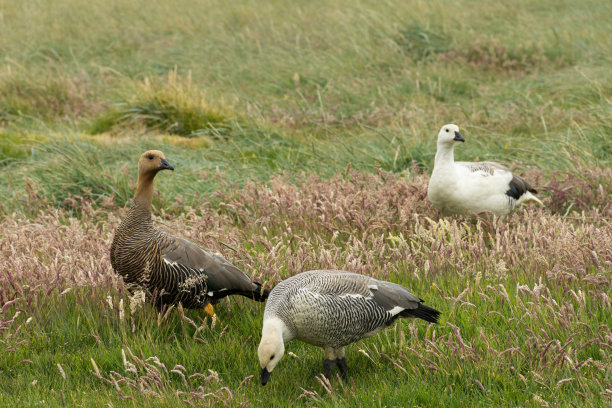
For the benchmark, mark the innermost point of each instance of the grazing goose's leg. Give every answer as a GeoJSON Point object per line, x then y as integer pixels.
{"type": "Point", "coordinates": [341, 362]}
{"type": "Point", "coordinates": [343, 369]}
{"type": "Point", "coordinates": [328, 366]}
{"type": "Point", "coordinates": [329, 362]}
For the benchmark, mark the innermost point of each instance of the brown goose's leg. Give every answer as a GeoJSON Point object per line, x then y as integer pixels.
{"type": "Point", "coordinates": [209, 310]}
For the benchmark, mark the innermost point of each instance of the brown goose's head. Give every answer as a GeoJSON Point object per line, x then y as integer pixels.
{"type": "Point", "coordinates": [150, 163]}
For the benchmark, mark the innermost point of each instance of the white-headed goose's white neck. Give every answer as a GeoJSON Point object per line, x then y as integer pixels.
{"type": "Point", "coordinates": [273, 327]}
{"type": "Point", "coordinates": [444, 154]}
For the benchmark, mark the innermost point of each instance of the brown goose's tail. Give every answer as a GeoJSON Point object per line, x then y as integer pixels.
{"type": "Point", "coordinates": [258, 293]}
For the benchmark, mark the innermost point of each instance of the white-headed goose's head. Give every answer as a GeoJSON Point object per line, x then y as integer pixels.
{"type": "Point", "coordinates": [271, 349]}
{"type": "Point", "coordinates": [449, 134]}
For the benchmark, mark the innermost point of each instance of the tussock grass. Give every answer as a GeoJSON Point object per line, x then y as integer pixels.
{"type": "Point", "coordinates": [17, 146]}
{"type": "Point", "coordinates": [421, 42]}
{"type": "Point", "coordinates": [173, 106]}
{"type": "Point", "coordinates": [491, 55]}
{"type": "Point", "coordinates": [49, 97]}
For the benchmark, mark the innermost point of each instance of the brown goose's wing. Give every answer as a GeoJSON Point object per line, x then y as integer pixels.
{"type": "Point", "coordinates": [223, 278]}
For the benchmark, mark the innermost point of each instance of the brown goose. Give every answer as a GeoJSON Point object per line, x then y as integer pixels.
{"type": "Point", "coordinates": [175, 269]}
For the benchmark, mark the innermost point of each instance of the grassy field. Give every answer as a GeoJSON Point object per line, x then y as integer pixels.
{"type": "Point", "coordinates": [303, 134]}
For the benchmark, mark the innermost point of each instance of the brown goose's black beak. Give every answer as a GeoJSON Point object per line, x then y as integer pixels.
{"type": "Point", "coordinates": [265, 376]}
{"type": "Point", "coordinates": [165, 165]}
{"type": "Point", "coordinates": [458, 137]}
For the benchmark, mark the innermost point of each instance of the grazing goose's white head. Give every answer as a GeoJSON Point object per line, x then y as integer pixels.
{"type": "Point", "coordinates": [271, 348]}
{"type": "Point", "coordinates": [449, 134]}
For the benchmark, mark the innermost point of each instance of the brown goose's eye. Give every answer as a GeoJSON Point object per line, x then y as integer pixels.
{"type": "Point", "coordinates": [272, 357]}
{"type": "Point", "coordinates": [446, 130]}
{"type": "Point", "coordinates": [151, 156]}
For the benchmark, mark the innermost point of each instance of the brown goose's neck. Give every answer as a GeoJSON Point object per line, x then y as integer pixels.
{"type": "Point", "coordinates": [143, 199]}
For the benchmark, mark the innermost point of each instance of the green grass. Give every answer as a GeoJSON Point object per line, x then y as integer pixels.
{"type": "Point", "coordinates": [251, 101]}
{"type": "Point", "coordinates": [517, 324]}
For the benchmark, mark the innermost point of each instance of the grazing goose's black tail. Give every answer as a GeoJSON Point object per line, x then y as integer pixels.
{"type": "Point", "coordinates": [422, 312]}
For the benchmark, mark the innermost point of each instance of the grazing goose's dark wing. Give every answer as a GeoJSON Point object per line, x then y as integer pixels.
{"type": "Point", "coordinates": [391, 295]}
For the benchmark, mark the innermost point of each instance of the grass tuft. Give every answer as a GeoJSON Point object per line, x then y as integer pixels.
{"type": "Point", "coordinates": [422, 43]}
{"type": "Point", "coordinates": [176, 106]}
{"type": "Point", "coordinates": [492, 55]}
{"type": "Point", "coordinates": [48, 97]}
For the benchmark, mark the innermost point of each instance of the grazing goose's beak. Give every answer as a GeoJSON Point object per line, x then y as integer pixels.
{"type": "Point", "coordinates": [458, 137]}
{"type": "Point", "coordinates": [265, 376]}
{"type": "Point", "coordinates": [165, 165]}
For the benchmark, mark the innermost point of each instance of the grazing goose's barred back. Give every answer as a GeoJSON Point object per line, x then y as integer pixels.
{"type": "Point", "coordinates": [332, 309]}
{"type": "Point", "coordinates": [472, 187]}
{"type": "Point", "coordinates": [174, 269]}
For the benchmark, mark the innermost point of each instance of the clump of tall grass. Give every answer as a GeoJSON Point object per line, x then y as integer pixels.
{"type": "Point", "coordinates": [77, 172]}
{"type": "Point", "coordinates": [422, 43]}
{"type": "Point", "coordinates": [175, 105]}
{"type": "Point", "coordinates": [69, 169]}
{"type": "Point", "coordinates": [493, 55]}
{"type": "Point", "coordinates": [151, 378]}
{"type": "Point", "coordinates": [581, 192]}
{"type": "Point", "coordinates": [15, 146]}
{"type": "Point", "coordinates": [48, 97]}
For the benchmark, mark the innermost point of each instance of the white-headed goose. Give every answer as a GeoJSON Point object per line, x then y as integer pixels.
{"type": "Point", "coordinates": [472, 187]}
{"type": "Point", "coordinates": [332, 309]}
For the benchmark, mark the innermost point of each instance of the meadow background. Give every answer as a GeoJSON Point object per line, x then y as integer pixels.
{"type": "Point", "coordinates": [303, 134]}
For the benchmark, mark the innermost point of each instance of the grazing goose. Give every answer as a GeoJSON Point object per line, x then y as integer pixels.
{"type": "Point", "coordinates": [472, 187]}
{"type": "Point", "coordinates": [176, 269]}
{"type": "Point", "coordinates": [332, 309]}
